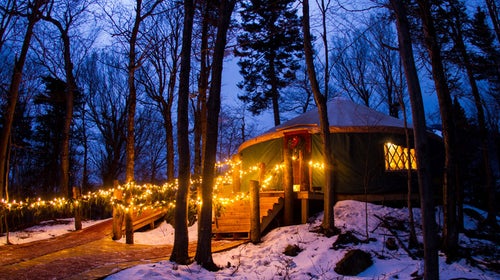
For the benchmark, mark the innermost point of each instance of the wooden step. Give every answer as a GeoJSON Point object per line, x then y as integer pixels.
{"type": "Point", "coordinates": [234, 220]}
{"type": "Point", "coordinates": [273, 213]}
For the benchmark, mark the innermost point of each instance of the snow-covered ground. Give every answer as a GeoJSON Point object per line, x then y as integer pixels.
{"type": "Point", "coordinates": [317, 259]}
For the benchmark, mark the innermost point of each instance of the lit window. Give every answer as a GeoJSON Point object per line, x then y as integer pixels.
{"type": "Point", "coordinates": [396, 157]}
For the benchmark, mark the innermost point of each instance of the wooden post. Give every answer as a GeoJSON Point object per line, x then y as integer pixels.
{"type": "Point", "coordinates": [236, 175]}
{"type": "Point", "coordinates": [262, 172]}
{"type": "Point", "coordinates": [304, 204]}
{"type": "Point", "coordinates": [129, 221]}
{"type": "Point", "coordinates": [254, 212]}
{"type": "Point", "coordinates": [129, 227]}
{"type": "Point", "coordinates": [117, 213]}
{"type": "Point", "coordinates": [288, 185]}
{"type": "Point", "coordinates": [77, 207]}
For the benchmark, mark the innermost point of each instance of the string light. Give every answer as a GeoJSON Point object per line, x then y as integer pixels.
{"type": "Point", "coordinates": [149, 196]}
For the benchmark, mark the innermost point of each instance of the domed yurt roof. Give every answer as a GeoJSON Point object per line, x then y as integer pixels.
{"type": "Point", "coordinates": [344, 116]}
{"type": "Point", "coordinates": [344, 113]}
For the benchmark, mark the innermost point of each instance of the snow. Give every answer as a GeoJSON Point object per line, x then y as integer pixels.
{"type": "Point", "coordinates": [317, 259]}
{"type": "Point", "coordinates": [161, 235]}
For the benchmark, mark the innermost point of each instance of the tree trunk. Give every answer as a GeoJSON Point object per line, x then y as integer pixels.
{"type": "Point", "coordinates": [13, 94]}
{"type": "Point", "coordinates": [131, 108]}
{"type": "Point", "coordinates": [330, 168]}
{"type": "Point", "coordinates": [450, 230]}
{"type": "Point", "coordinates": [7, 198]}
{"type": "Point", "coordinates": [324, 9]}
{"type": "Point", "coordinates": [275, 93]}
{"type": "Point", "coordinates": [77, 196]}
{"type": "Point", "coordinates": [85, 138]}
{"type": "Point", "coordinates": [204, 247]}
{"type": "Point", "coordinates": [431, 265]}
{"type": "Point", "coordinates": [200, 126]}
{"type": "Point", "coordinates": [129, 225]}
{"type": "Point", "coordinates": [117, 213]}
{"type": "Point", "coordinates": [412, 239]}
{"type": "Point", "coordinates": [180, 249]}
{"type": "Point", "coordinates": [169, 140]}
{"type": "Point", "coordinates": [169, 128]}
{"type": "Point", "coordinates": [132, 95]}
{"type": "Point", "coordinates": [70, 93]}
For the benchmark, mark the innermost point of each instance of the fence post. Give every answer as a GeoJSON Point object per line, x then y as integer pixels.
{"type": "Point", "coordinates": [129, 221]}
{"type": "Point", "coordinates": [77, 207]}
{"type": "Point", "coordinates": [254, 212]}
{"type": "Point", "coordinates": [117, 213]}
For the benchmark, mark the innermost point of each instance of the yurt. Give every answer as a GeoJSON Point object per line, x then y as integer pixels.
{"type": "Point", "coordinates": [370, 149]}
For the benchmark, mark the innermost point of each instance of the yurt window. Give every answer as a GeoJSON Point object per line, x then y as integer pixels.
{"type": "Point", "coordinates": [399, 158]}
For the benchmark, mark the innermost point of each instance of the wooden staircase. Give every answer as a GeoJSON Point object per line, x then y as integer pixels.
{"type": "Point", "coordinates": [234, 220]}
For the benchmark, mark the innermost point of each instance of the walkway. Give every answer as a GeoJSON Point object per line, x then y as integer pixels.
{"type": "Point", "coordinates": [86, 254]}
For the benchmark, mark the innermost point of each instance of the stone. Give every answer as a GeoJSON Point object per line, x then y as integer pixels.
{"type": "Point", "coordinates": [353, 263]}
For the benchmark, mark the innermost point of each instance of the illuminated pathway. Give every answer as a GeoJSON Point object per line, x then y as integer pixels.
{"type": "Point", "coordinates": [86, 254]}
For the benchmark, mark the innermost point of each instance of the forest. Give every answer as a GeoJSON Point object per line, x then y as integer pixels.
{"type": "Point", "coordinates": [94, 92]}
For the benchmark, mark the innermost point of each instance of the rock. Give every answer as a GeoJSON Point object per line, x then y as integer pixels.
{"type": "Point", "coordinates": [353, 263]}
{"type": "Point", "coordinates": [391, 244]}
{"type": "Point", "coordinates": [345, 239]}
{"type": "Point", "coordinates": [292, 250]}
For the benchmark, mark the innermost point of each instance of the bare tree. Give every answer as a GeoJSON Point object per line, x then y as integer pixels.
{"type": "Point", "coordinates": [150, 152]}
{"type": "Point", "coordinates": [205, 39]}
{"type": "Point", "coordinates": [353, 68]}
{"type": "Point", "coordinates": [159, 73]}
{"type": "Point", "coordinates": [7, 20]}
{"type": "Point", "coordinates": [328, 224]}
{"type": "Point", "coordinates": [431, 265]}
{"type": "Point", "coordinates": [204, 248]}
{"type": "Point", "coordinates": [104, 84]}
{"type": "Point", "coordinates": [232, 131]}
{"type": "Point", "coordinates": [456, 24]}
{"type": "Point", "coordinates": [389, 82]}
{"type": "Point", "coordinates": [299, 96]}
{"type": "Point", "coordinates": [180, 249]}
{"type": "Point", "coordinates": [67, 16]}
{"type": "Point", "coordinates": [450, 229]}
{"type": "Point", "coordinates": [131, 31]}
{"type": "Point", "coordinates": [32, 11]}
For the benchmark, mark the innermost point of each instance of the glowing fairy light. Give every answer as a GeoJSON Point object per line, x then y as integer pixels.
{"type": "Point", "coordinates": [136, 197]}
{"type": "Point", "coordinates": [317, 165]}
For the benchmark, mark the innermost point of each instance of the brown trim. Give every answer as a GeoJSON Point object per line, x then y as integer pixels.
{"type": "Point", "coordinates": [313, 129]}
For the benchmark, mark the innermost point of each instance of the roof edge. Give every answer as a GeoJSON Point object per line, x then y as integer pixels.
{"type": "Point", "coordinates": [314, 129]}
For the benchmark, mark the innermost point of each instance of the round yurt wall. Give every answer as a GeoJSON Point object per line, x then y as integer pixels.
{"type": "Point", "coordinates": [270, 153]}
